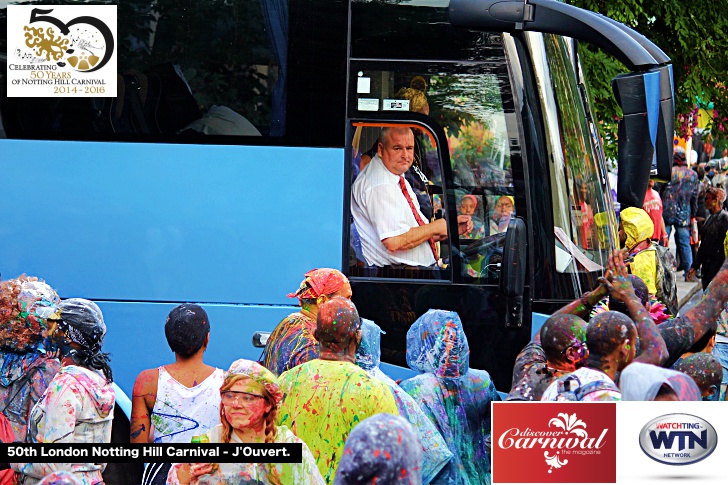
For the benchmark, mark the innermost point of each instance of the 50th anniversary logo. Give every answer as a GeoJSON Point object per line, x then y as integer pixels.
{"type": "Point", "coordinates": [61, 51]}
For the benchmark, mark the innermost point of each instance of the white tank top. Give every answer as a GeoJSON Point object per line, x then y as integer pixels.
{"type": "Point", "coordinates": [182, 412]}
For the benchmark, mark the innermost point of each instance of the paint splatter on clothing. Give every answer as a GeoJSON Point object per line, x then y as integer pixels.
{"type": "Point", "coordinates": [23, 380]}
{"type": "Point", "coordinates": [641, 382]}
{"type": "Point", "coordinates": [435, 453]}
{"type": "Point", "coordinates": [292, 343]}
{"type": "Point", "coordinates": [531, 374]}
{"type": "Point", "coordinates": [60, 478]}
{"type": "Point", "coordinates": [77, 407]}
{"type": "Point", "coordinates": [453, 396]}
{"type": "Point", "coordinates": [680, 197]}
{"type": "Point", "coordinates": [586, 377]}
{"type": "Point", "coordinates": [304, 473]}
{"type": "Point", "coordinates": [180, 412]}
{"type": "Point", "coordinates": [710, 253]}
{"type": "Point", "coordinates": [322, 402]}
{"type": "Point", "coordinates": [381, 449]}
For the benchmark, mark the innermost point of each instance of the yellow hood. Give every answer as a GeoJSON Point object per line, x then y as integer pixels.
{"type": "Point", "coordinates": [637, 226]}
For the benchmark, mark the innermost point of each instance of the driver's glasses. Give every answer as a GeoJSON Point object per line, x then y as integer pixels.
{"type": "Point", "coordinates": [231, 397]}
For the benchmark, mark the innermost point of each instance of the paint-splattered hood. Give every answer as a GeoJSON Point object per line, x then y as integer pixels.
{"type": "Point", "coordinates": [369, 353]}
{"type": "Point", "coordinates": [436, 343]}
{"type": "Point", "coordinates": [640, 382]}
{"type": "Point", "coordinates": [97, 389]}
{"type": "Point", "coordinates": [637, 225]}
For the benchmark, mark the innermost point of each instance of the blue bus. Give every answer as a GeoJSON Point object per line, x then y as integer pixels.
{"type": "Point", "coordinates": [222, 170]}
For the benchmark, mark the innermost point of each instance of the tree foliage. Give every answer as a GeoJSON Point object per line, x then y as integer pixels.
{"type": "Point", "coordinates": [695, 36]}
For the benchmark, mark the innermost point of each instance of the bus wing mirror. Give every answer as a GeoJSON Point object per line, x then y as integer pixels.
{"type": "Point", "coordinates": [645, 132]}
{"type": "Point", "coordinates": [260, 339]}
{"type": "Point", "coordinates": [513, 271]}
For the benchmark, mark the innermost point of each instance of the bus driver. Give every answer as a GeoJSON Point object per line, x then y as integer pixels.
{"type": "Point", "coordinates": [387, 215]}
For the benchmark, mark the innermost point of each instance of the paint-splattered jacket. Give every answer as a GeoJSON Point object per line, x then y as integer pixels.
{"type": "Point", "coordinates": [680, 198]}
{"type": "Point", "coordinates": [453, 396]}
{"type": "Point", "coordinates": [77, 407]}
{"type": "Point", "coordinates": [291, 343]}
{"type": "Point", "coordinates": [23, 380]}
{"type": "Point", "coordinates": [322, 402]}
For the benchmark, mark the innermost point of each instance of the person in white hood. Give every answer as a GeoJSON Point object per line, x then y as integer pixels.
{"type": "Point", "coordinates": [78, 406]}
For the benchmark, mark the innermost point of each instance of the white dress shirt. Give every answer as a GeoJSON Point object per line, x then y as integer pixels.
{"type": "Point", "coordinates": [380, 211]}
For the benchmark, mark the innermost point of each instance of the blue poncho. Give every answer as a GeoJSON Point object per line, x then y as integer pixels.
{"type": "Point", "coordinates": [435, 451]}
{"type": "Point", "coordinates": [451, 394]}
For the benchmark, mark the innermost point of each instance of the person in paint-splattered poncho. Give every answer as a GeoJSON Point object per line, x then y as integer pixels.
{"type": "Point", "coordinates": [435, 453]}
{"type": "Point", "coordinates": [249, 403]}
{"type": "Point", "coordinates": [26, 305]}
{"type": "Point", "coordinates": [453, 396]}
{"type": "Point", "coordinates": [325, 398]}
{"type": "Point", "coordinates": [381, 449]}
{"type": "Point", "coordinates": [78, 406]}
{"type": "Point", "coordinates": [646, 382]}
{"type": "Point", "coordinates": [292, 342]}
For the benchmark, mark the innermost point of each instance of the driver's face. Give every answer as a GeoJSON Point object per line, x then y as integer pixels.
{"type": "Point", "coordinates": [397, 150]}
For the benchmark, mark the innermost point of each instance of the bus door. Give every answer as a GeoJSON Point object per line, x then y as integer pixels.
{"type": "Point", "coordinates": [466, 162]}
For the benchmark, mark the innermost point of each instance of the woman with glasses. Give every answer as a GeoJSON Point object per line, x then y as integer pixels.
{"type": "Point", "coordinates": [250, 398]}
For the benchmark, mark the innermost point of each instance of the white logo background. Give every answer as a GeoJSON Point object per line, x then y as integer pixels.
{"type": "Point", "coordinates": [51, 80]}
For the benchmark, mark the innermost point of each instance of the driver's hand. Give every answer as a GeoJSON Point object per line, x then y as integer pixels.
{"type": "Point", "coordinates": [465, 224]}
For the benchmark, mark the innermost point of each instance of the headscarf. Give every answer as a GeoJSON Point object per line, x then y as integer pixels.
{"type": "Point", "coordinates": [82, 323]}
{"type": "Point", "coordinates": [259, 374]}
{"type": "Point", "coordinates": [318, 283]}
{"type": "Point", "coordinates": [26, 304]}
{"type": "Point", "coordinates": [436, 343]}
{"type": "Point", "coordinates": [473, 198]}
{"type": "Point", "coordinates": [381, 449]}
{"type": "Point", "coordinates": [60, 478]}
{"type": "Point", "coordinates": [641, 382]}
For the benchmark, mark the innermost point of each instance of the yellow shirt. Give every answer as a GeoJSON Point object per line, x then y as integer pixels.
{"type": "Point", "coordinates": [322, 402]}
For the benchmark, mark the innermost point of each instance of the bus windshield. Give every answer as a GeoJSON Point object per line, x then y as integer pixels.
{"type": "Point", "coordinates": [584, 221]}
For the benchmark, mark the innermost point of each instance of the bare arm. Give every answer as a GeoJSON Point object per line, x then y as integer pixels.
{"type": "Point", "coordinates": [578, 308]}
{"type": "Point", "coordinates": [711, 305]}
{"type": "Point", "coordinates": [416, 236]}
{"type": "Point", "coordinates": [142, 403]}
{"type": "Point", "coordinates": [654, 350]}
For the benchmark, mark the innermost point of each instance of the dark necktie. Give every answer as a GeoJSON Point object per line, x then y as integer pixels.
{"type": "Point", "coordinates": [415, 212]}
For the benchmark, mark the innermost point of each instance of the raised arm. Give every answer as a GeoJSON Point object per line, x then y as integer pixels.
{"type": "Point", "coordinates": [654, 350]}
{"type": "Point", "coordinates": [711, 305]}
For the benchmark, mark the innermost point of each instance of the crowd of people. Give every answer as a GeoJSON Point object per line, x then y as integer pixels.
{"type": "Point", "coordinates": [319, 382]}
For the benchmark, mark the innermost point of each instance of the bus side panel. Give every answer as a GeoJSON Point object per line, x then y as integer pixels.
{"type": "Point", "coordinates": [135, 335]}
{"type": "Point", "coordinates": [161, 222]}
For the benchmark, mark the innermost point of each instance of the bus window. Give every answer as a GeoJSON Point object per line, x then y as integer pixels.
{"type": "Point", "coordinates": [473, 105]}
{"type": "Point", "coordinates": [218, 68]}
{"type": "Point", "coordinates": [397, 225]}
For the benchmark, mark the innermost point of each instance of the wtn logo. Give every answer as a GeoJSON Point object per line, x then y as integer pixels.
{"type": "Point", "coordinates": [665, 439]}
{"type": "Point", "coordinates": [678, 439]}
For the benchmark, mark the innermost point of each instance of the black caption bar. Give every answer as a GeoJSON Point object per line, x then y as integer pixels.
{"type": "Point", "coordinates": [152, 453]}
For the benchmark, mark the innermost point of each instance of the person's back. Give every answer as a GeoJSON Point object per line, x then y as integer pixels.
{"type": "Point", "coordinates": [325, 398]}
{"type": "Point", "coordinates": [26, 368]}
{"type": "Point", "coordinates": [174, 402]}
{"type": "Point", "coordinates": [292, 342]}
{"type": "Point", "coordinates": [453, 396]}
{"type": "Point", "coordinates": [676, 198]}
{"type": "Point", "coordinates": [435, 453]}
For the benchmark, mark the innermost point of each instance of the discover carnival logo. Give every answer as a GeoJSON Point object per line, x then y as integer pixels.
{"type": "Point", "coordinates": [678, 439]}
{"type": "Point", "coordinates": [61, 51]}
{"type": "Point", "coordinates": [573, 443]}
